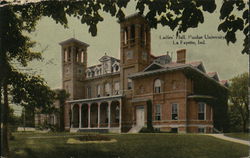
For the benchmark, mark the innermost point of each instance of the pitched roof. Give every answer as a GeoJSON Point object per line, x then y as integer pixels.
{"type": "Point", "coordinates": [224, 82]}
{"type": "Point", "coordinates": [73, 40]}
{"type": "Point", "coordinates": [213, 75]}
{"type": "Point", "coordinates": [172, 67]}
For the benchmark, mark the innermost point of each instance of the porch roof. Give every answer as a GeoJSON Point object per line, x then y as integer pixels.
{"type": "Point", "coordinates": [91, 100]}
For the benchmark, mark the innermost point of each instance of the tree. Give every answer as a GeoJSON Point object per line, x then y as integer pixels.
{"type": "Point", "coordinates": [239, 100]}
{"type": "Point", "coordinates": [235, 16]}
{"type": "Point", "coordinates": [25, 89]}
{"type": "Point", "coordinates": [18, 19]}
{"type": "Point", "coordinates": [149, 116]}
{"type": "Point", "coordinates": [180, 15]}
{"type": "Point", "coordinates": [61, 96]}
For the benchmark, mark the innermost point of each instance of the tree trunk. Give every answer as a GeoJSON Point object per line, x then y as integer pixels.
{"type": "Point", "coordinates": [61, 117]}
{"type": "Point", "coordinates": [5, 108]}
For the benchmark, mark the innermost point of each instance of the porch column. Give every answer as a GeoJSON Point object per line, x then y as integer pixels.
{"type": "Point", "coordinates": [109, 113]}
{"type": "Point", "coordinates": [120, 114]}
{"type": "Point", "coordinates": [71, 121]}
{"type": "Point", "coordinates": [80, 116]}
{"type": "Point", "coordinates": [98, 124]}
{"type": "Point", "coordinates": [89, 106]}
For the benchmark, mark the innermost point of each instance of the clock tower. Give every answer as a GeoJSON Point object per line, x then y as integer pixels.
{"type": "Point", "coordinates": [74, 64]}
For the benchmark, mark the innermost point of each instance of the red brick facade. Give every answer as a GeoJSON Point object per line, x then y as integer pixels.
{"type": "Point", "coordinates": [135, 78]}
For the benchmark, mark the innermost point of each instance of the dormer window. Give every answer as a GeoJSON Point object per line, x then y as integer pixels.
{"type": "Point", "coordinates": [115, 67]}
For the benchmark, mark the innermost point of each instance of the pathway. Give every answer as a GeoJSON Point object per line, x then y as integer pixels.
{"type": "Point", "coordinates": [235, 140]}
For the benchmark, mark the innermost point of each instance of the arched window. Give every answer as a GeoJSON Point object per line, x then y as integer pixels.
{"type": "Point", "coordinates": [65, 55]}
{"type": "Point", "coordinates": [126, 35]}
{"type": "Point", "coordinates": [157, 86]}
{"type": "Point", "coordinates": [82, 57]}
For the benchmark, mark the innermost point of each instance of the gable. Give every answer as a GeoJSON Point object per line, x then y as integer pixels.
{"type": "Point", "coordinates": [153, 66]}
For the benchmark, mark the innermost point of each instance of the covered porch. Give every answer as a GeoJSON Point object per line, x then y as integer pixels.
{"type": "Point", "coordinates": [96, 114]}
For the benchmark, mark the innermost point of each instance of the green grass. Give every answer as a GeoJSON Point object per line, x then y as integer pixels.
{"type": "Point", "coordinates": [127, 146]}
{"type": "Point", "coordinates": [243, 136]}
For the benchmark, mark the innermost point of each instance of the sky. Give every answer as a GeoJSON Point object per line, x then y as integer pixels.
{"type": "Point", "coordinates": [216, 55]}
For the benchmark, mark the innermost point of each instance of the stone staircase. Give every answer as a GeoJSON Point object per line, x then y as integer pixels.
{"type": "Point", "coordinates": [135, 129]}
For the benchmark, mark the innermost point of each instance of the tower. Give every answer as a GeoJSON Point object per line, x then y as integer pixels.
{"type": "Point", "coordinates": [134, 47]}
{"type": "Point", "coordinates": [74, 64]}
{"type": "Point", "coordinates": [135, 56]}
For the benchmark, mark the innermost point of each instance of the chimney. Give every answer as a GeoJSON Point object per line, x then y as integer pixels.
{"type": "Point", "coordinates": [181, 56]}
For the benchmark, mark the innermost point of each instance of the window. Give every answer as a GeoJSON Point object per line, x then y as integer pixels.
{"type": "Point", "coordinates": [144, 56]}
{"type": "Point", "coordinates": [158, 112]}
{"type": "Point", "coordinates": [80, 71]}
{"type": "Point", "coordinates": [142, 34]}
{"type": "Point", "coordinates": [65, 55]}
{"type": "Point", "coordinates": [201, 130]}
{"type": "Point", "coordinates": [82, 57]}
{"type": "Point", "coordinates": [89, 92]}
{"type": "Point", "coordinates": [132, 35]}
{"type": "Point", "coordinates": [130, 54]}
{"type": "Point", "coordinates": [157, 86]}
{"type": "Point", "coordinates": [116, 68]}
{"type": "Point", "coordinates": [129, 83]}
{"type": "Point", "coordinates": [69, 54]}
{"type": "Point", "coordinates": [117, 88]}
{"type": "Point", "coordinates": [77, 55]}
{"type": "Point", "coordinates": [126, 35]}
{"type": "Point", "coordinates": [98, 89]}
{"type": "Point", "coordinates": [117, 114]}
{"type": "Point", "coordinates": [174, 84]}
{"type": "Point", "coordinates": [174, 130]}
{"type": "Point", "coordinates": [201, 111]}
{"type": "Point", "coordinates": [107, 89]}
{"type": "Point", "coordinates": [174, 111]}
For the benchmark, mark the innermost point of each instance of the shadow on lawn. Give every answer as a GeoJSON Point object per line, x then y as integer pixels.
{"type": "Point", "coordinates": [62, 153]}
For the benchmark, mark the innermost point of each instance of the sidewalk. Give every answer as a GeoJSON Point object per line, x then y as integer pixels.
{"type": "Point", "coordinates": [235, 140]}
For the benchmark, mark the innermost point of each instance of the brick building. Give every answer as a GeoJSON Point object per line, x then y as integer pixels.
{"type": "Point", "coordinates": [112, 95]}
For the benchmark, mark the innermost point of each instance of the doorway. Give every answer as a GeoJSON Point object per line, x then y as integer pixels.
{"type": "Point", "coordinates": [140, 116]}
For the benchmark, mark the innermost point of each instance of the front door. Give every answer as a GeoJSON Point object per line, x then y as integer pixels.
{"type": "Point", "coordinates": [140, 116]}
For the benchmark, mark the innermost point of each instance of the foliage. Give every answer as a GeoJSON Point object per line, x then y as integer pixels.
{"type": "Point", "coordinates": [235, 16]}
{"type": "Point", "coordinates": [149, 116]}
{"type": "Point", "coordinates": [239, 99]}
{"type": "Point", "coordinates": [62, 96]}
{"type": "Point", "coordinates": [180, 15]}
{"type": "Point", "coordinates": [24, 89]}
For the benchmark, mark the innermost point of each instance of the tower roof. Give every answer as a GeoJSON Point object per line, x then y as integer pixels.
{"type": "Point", "coordinates": [73, 40]}
{"type": "Point", "coordinates": [133, 16]}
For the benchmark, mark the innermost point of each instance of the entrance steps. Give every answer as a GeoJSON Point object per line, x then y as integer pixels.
{"type": "Point", "coordinates": [135, 129]}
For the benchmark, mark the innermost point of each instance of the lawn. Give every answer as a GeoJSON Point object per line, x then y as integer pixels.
{"type": "Point", "coordinates": [243, 136]}
{"type": "Point", "coordinates": [127, 146]}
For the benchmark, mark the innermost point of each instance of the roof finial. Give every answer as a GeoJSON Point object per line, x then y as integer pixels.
{"type": "Point", "coordinates": [105, 53]}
